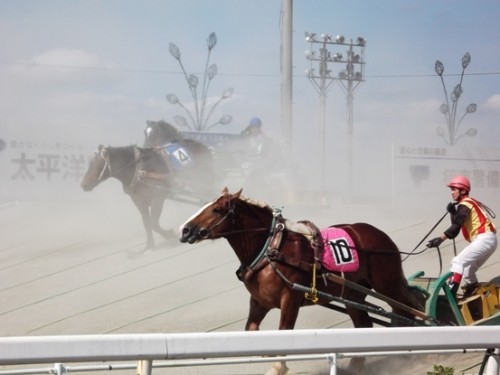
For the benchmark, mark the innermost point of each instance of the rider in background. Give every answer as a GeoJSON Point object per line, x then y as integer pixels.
{"type": "Point", "coordinates": [471, 217]}
{"type": "Point", "coordinates": [255, 136]}
{"type": "Point", "coordinates": [266, 167]}
{"type": "Point", "coordinates": [262, 150]}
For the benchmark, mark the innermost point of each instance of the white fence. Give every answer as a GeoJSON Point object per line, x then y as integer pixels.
{"type": "Point", "coordinates": [146, 348]}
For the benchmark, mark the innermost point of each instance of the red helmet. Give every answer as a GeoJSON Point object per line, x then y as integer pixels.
{"type": "Point", "coordinates": [460, 182]}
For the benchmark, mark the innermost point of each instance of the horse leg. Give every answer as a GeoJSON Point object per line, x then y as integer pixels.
{"type": "Point", "coordinates": [146, 221]}
{"type": "Point", "coordinates": [360, 319]}
{"type": "Point", "coordinates": [279, 368]}
{"type": "Point", "coordinates": [256, 315]}
{"type": "Point", "coordinates": [156, 210]}
{"type": "Point", "coordinates": [289, 312]}
{"type": "Point", "coordinates": [288, 317]}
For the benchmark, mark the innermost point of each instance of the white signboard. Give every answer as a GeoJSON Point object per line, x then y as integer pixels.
{"type": "Point", "coordinates": [424, 169]}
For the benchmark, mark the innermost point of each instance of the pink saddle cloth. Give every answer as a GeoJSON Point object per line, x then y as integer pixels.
{"type": "Point", "coordinates": [339, 254]}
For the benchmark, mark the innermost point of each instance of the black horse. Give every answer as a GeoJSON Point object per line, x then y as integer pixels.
{"type": "Point", "coordinates": [159, 133]}
{"type": "Point", "coordinates": [144, 177]}
{"type": "Point", "coordinates": [194, 177]}
{"type": "Point", "coordinates": [268, 175]}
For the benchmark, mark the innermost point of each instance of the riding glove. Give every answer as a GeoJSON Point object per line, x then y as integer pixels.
{"type": "Point", "coordinates": [451, 208]}
{"type": "Point", "coordinates": [435, 242]}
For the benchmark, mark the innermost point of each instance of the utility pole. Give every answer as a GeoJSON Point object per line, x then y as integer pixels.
{"type": "Point", "coordinates": [286, 74]}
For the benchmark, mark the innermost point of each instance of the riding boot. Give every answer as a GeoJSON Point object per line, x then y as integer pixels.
{"type": "Point", "coordinates": [469, 289]}
{"type": "Point", "coordinates": [454, 283]}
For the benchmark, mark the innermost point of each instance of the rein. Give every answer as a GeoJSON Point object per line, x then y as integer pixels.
{"type": "Point", "coordinates": [107, 165]}
{"type": "Point", "coordinates": [204, 233]}
{"type": "Point", "coordinates": [425, 237]}
{"type": "Point", "coordinates": [276, 214]}
{"type": "Point", "coordinates": [276, 228]}
{"type": "Point", "coordinates": [139, 173]}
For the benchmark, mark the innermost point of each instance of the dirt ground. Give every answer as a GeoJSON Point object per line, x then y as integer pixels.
{"type": "Point", "coordinates": [78, 267]}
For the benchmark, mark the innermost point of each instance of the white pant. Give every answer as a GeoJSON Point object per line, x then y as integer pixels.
{"type": "Point", "coordinates": [474, 256]}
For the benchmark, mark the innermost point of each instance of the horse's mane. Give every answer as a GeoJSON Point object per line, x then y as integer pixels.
{"type": "Point", "coordinates": [304, 227]}
{"type": "Point", "coordinates": [165, 127]}
{"type": "Point", "coordinates": [256, 203]}
{"type": "Point", "coordinates": [120, 149]}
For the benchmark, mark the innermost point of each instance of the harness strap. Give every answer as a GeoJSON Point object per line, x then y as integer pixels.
{"type": "Point", "coordinates": [141, 173]}
{"type": "Point", "coordinates": [270, 251]}
{"type": "Point", "coordinates": [138, 166]}
{"type": "Point", "coordinates": [313, 295]}
{"type": "Point", "coordinates": [165, 156]}
{"type": "Point", "coordinates": [277, 257]}
{"type": "Point", "coordinates": [273, 242]}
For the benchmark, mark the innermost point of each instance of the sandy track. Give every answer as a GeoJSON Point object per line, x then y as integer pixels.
{"type": "Point", "coordinates": [79, 268]}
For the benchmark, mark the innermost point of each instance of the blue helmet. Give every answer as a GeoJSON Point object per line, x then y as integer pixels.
{"type": "Point", "coordinates": [255, 121]}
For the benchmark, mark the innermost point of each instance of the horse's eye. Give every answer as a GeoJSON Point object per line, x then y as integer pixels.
{"type": "Point", "coordinates": [217, 210]}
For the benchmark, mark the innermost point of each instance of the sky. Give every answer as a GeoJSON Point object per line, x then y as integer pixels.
{"type": "Point", "coordinates": [93, 71]}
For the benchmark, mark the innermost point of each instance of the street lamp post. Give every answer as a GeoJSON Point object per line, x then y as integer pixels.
{"type": "Point", "coordinates": [321, 80]}
{"type": "Point", "coordinates": [198, 120]}
{"type": "Point", "coordinates": [348, 79]}
{"type": "Point", "coordinates": [450, 113]}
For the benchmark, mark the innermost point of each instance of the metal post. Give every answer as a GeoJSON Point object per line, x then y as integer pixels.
{"type": "Point", "coordinates": [350, 137]}
{"type": "Point", "coordinates": [352, 80]}
{"type": "Point", "coordinates": [348, 79]}
{"type": "Point", "coordinates": [492, 367]}
{"type": "Point", "coordinates": [323, 71]}
{"type": "Point", "coordinates": [322, 134]}
{"type": "Point", "coordinates": [145, 367]}
{"type": "Point", "coordinates": [59, 369]}
{"type": "Point", "coordinates": [332, 360]}
{"type": "Point", "coordinates": [286, 74]}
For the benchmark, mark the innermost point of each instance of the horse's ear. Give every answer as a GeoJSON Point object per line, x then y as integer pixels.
{"type": "Point", "coordinates": [225, 190]}
{"type": "Point", "coordinates": [104, 152]}
{"type": "Point", "coordinates": [237, 194]}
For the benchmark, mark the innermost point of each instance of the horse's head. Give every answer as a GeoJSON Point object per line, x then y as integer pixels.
{"type": "Point", "coordinates": [158, 133]}
{"type": "Point", "coordinates": [98, 169]}
{"type": "Point", "coordinates": [211, 220]}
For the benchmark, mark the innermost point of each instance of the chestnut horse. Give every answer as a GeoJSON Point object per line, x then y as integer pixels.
{"type": "Point", "coordinates": [270, 266]}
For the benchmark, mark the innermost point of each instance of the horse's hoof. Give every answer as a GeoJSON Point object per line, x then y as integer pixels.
{"type": "Point", "coordinates": [356, 365]}
{"type": "Point", "coordinates": [279, 368]}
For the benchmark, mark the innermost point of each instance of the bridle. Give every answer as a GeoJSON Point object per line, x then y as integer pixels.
{"type": "Point", "coordinates": [205, 232]}
{"type": "Point", "coordinates": [106, 166]}
{"type": "Point", "coordinates": [272, 242]}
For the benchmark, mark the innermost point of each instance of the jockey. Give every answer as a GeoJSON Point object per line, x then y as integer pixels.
{"type": "Point", "coordinates": [470, 216]}
{"type": "Point", "coordinates": [253, 132]}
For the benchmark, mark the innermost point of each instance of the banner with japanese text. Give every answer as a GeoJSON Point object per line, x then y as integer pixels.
{"type": "Point", "coordinates": [31, 169]}
{"type": "Point", "coordinates": [423, 169]}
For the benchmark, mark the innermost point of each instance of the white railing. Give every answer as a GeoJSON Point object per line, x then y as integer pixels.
{"type": "Point", "coordinates": [146, 348]}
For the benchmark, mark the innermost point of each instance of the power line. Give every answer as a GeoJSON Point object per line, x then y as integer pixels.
{"type": "Point", "coordinates": [277, 75]}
